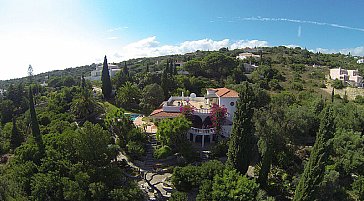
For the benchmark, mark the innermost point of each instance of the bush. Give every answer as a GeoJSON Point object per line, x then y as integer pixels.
{"type": "Point", "coordinates": [135, 150]}
{"type": "Point", "coordinates": [178, 196]}
{"type": "Point", "coordinates": [186, 178]}
{"type": "Point", "coordinates": [359, 99]}
{"type": "Point", "coordinates": [220, 149]}
{"type": "Point", "coordinates": [162, 152]}
{"type": "Point", "coordinates": [337, 84]}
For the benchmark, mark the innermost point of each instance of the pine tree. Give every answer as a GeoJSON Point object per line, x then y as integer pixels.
{"type": "Point", "coordinates": [106, 82]}
{"type": "Point", "coordinates": [16, 139]}
{"type": "Point", "coordinates": [312, 176]}
{"type": "Point", "coordinates": [34, 123]}
{"type": "Point", "coordinates": [242, 137]}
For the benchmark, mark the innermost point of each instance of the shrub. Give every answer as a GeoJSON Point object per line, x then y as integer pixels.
{"type": "Point", "coordinates": [220, 149]}
{"type": "Point", "coordinates": [162, 152]}
{"type": "Point", "coordinates": [186, 178]}
{"type": "Point", "coordinates": [337, 84]}
{"type": "Point", "coordinates": [178, 196]}
{"type": "Point", "coordinates": [136, 150]}
{"type": "Point", "coordinates": [359, 99]}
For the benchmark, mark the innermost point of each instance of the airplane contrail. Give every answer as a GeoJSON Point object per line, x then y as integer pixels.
{"type": "Point", "coordinates": [299, 21]}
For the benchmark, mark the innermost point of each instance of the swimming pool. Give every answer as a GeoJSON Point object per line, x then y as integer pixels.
{"type": "Point", "coordinates": [133, 116]}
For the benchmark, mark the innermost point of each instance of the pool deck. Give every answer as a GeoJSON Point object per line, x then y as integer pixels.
{"type": "Point", "coordinates": [148, 127]}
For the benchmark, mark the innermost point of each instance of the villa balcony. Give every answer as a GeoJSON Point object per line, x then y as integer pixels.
{"type": "Point", "coordinates": [203, 111]}
{"type": "Point", "coordinates": [201, 135]}
{"type": "Point", "coordinates": [201, 131]}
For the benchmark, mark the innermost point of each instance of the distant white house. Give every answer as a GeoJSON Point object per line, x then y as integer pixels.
{"type": "Point", "coordinates": [360, 61]}
{"type": "Point", "coordinates": [96, 74]}
{"type": "Point", "coordinates": [351, 77]}
{"type": "Point", "coordinates": [247, 55]}
{"type": "Point", "coordinates": [202, 130]}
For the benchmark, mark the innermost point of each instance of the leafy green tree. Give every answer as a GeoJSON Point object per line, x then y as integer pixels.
{"type": "Point", "coordinates": [85, 107]}
{"type": "Point", "coordinates": [128, 96]}
{"type": "Point", "coordinates": [337, 84]}
{"type": "Point", "coordinates": [218, 65]}
{"type": "Point", "coordinates": [17, 94]}
{"type": "Point", "coordinates": [194, 67]}
{"type": "Point", "coordinates": [92, 145]}
{"type": "Point", "coordinates": [242, 136]}
{"type": "Point", "coordinates": [34, 123]}
{"type": "Point", "coordinates": [268, 125]}
{"type": "Point", "coordinates": [179, 196]}
{"type": "Point", "coordinates": [314, 169]}
{"type": "Point", "coordinates": [152, 97]}
{"type": "Point", "coordinates": [6, 110]}
{"type": "Point", "coordinates": [105, 78]}
{"type": "Point", "coordinates": [233, 186]}
{"type": "Point", "coordinates": [122, 76]}
{"type": "Point", "coordinates": [172, 132]}
{"type": "Point", "coordinates": [358, 187]}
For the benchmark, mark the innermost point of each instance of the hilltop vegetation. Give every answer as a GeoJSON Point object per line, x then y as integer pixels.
{"type": "Point", "coordinates": [62, 141]}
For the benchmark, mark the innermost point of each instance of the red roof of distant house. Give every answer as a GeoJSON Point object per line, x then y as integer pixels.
{"type": "Point", "coordinates": [159, 113]}
{"type": "Point", "coordinates": [227, 93]}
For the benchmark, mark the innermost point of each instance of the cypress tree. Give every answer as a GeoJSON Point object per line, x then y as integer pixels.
{"type": "Point", "coordinates": [105, 78]}
{"type": "Point", "coordinates": [83, 82]}
{"type": "Point", "coordinates": [332, 95]}
{"type": "Point", "coordinates": [16, 139]}
{"type": "Point", "coordinates": [125, 70]}
{"type": "Point", "coordinates": [165, 83]}
{"type": "Point", "coordinates": [34, 123]}
{"type": "Point", "coordinates": [147, 69]}
{"type": "Point", "coordinates": [311, 178]}
{"type": "Point", "coordinates": [174, 69]}
{"type": "Point", "coordinates": [242, 137]}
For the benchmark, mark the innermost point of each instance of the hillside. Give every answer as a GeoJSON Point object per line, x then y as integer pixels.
{"type": "Point", "coordinates": [282, 58]}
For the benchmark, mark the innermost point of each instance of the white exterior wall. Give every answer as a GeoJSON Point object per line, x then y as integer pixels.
{"type": "Point", "coordinates": [225, 101]}
{"type": "Point", "coordinates": [339, 73]}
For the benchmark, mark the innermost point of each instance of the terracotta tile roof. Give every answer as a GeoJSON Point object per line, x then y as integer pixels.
{"type": "Point", "coordinates": [159, 113]}
{"type": "Point", "coordinates": [225, 92]}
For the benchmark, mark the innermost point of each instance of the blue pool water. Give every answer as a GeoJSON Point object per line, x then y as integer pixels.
{"type": "Point", "coordinates": [133, 116]}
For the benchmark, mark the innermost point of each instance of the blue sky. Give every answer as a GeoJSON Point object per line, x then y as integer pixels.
{"type": "Point", "coordinates": [50, 34]}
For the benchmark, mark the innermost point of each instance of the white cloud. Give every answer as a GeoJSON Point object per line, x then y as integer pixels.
{"type": "Point", "coordinates": [248, 43]}
{"type": "Point", "coordinates": [150, 47]}
{"type": "Point", "coordinates": [356, 51]}
{"type": "Point", "coordinates": [112, 38]}
{"type": "Point", "coordinates": [291, 46]}
{"type": "Point", "coordinates": [117, 29]}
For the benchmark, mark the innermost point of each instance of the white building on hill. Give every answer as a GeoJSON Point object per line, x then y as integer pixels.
{"type": "Point", "coordinates": [351, 77]}
{"type": "Point", "coordinates": [360, 61]}
{"type": "Point", "coordinates": [96, 74]}
{"type": "Point", "coordinates": [247, 55]}
{"type": "Point", "coordinates": [202, 130]}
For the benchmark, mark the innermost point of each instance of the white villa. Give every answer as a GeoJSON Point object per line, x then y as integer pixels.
{"type": "Point", "coordinates": [201, 130]}
{"type": "Point", "coordinates": [247, 55]}
{"type": "Point", "coordinates": [351, 77]}
{"type": "Point", "coordinates": [96, 74]}
{"type": "Point", "coordinates": [360, 61]}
